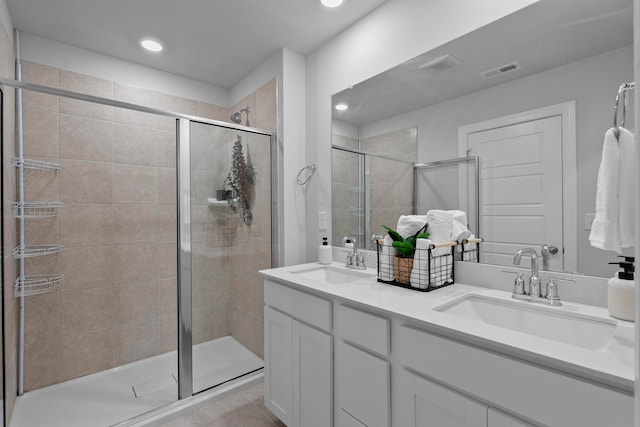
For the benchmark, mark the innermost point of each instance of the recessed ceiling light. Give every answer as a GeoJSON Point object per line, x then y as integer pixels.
{"type": "Point", "coordinates": [331, 3]}
{"type": "Point", "coordinates": [341, 107]}
{"type": "Point", "coordinates": [151, 45]}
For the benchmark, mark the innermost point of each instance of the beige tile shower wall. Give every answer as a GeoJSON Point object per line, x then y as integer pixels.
{"type": "Point", "coordinates": [391, 182]}
{"type": "Point", "coordinates": [251, 251]}
{"type": "Point", "coordinates": [117, 303]}
{"type": "Point", "coordinates": [10, 239]}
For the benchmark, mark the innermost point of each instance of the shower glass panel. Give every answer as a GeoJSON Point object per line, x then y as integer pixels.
{"type": "Point", "coordinates": [231, 242]}
{"type": "Point", "coordinates": [100, 185]}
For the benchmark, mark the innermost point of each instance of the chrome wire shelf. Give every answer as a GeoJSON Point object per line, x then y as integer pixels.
{"type": "Point", "coordinates": [37, 284]}
{"type": "Point", "coordinates": [36, 209]}
{"type": "Point", "coordinates": [36, 164]}
{"type": "Point", "coordinates": [36, 250]}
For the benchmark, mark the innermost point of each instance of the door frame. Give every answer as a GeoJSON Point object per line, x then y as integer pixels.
{"type": "Point", "coordinates": [567, 113]}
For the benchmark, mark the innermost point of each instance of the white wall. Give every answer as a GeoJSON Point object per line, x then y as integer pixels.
{"type": "Point", "coordinates": [47, 52]}
{"type": "Point", "coordinates": [592, 83]}
{"type": "Point", "coordinates": [395, 32]}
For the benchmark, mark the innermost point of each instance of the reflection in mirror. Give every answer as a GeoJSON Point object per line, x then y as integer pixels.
{"type": "Point", "coordinates": [372, 182]}
{"type": "Point", "coordinates": [550, 55]}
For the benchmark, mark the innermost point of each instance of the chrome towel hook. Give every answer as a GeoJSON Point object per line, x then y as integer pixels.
{"type": "Point", "coordinates": [305, 174]}
{"type": "Point", "coordinates": [622, 93]}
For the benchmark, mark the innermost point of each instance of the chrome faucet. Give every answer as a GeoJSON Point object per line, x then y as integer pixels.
{"type": "Point", "coordinates": [354, 258]}
{"type": "Point", "coordinates": [534, 280]}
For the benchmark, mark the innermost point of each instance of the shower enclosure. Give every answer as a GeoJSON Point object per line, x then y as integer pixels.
{"type": "Point", "coordinates": [138, 236]}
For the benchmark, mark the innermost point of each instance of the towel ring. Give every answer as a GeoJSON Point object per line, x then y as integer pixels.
{"type": "Point", "coordinates": [305, 174]}
{"type": "Point", "coordinates": [622, 92]}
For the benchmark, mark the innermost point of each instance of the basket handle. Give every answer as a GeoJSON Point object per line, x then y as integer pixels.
{"type": "Point", "coordinates": [476, 240]}
{"type": "Point", "coordinates": [442, 245]}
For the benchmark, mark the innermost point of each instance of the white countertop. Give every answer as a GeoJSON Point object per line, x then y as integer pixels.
{"type": "Point", "coordinates": [612, 366]}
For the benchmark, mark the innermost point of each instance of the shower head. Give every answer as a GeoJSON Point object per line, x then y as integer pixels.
{"type": "Point", "coordinates": [237, 116]}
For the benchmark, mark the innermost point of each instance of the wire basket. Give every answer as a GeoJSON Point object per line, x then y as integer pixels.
{"type": "Point", "coordinates": [37, 284]}
{"type": "Point", "coordinates": [428, 270]}
{"type": "Point", "coordinates": [471, 250]}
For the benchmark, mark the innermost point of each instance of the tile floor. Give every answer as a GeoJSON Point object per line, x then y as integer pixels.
{"type": "Point", "coordinates": [244, 408]}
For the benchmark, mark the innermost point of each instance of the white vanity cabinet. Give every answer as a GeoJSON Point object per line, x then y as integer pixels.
{"type": "Point", "coordinates": [545, 396]}
{"type": "Point", "coordinates": [500, 419]}
{"type": "Point", "coordinates": [298, 357]}
{"type": "Point", "coordinates": [431, 404]}
{"type": "Point", "coordinates": [331, 359]}
{"type": "Point", "coordinates": [362, 371]}
{"type": "Point", "coordinates": [434, 405]}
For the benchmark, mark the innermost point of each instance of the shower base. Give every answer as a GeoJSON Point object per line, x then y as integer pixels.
{"type": "Point", "coordinates": [109, 397]}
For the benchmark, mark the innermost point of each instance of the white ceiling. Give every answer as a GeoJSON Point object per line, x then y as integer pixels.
{"type": "Point", "coordinates": [214, 41]}
{"type": "Point", "coordinates": [545, 35]}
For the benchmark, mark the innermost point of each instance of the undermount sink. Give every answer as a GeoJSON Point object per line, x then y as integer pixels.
{"type": "Point", "coordinates": [332, 274]}
{"type": "Point", "coordinates": [581, 330]}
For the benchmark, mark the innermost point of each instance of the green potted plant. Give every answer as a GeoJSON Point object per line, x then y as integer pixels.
{"type": "Point", "coordinates": [406, 248]}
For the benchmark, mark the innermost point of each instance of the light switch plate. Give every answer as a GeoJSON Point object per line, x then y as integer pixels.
{"type": "Point", "coordinates": [322, 221]}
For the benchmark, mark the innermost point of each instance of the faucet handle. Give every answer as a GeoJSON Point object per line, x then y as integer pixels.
{"type": "Point", "coordinates": [518, 283]}
{"type": "Point", "coordinates": [360, 261]}
{"type": "Point", "coordinates": [551, 294]}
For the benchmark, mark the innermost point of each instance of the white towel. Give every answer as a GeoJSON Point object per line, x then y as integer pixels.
{"type": "Point", "coordinates": [420, 272]}
{"type": "Point", "coordinates": [408, 225]}
{"type": "Point", "coordinates": [387, 253]}
{"type": "Point", "coordinates": [459, 232]}
{"type": "Point", "coordinates": [459, 216]}
{"type": "Point", "coordinates": [626, 190]}
{"type": "Point", "coordinates": [440, 229]}
{"type": "Point", "coordinates": [605, 230]}
{"type": "Point", "coordinates": [441, 267]}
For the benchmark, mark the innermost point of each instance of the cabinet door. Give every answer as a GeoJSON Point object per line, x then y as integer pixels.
{"type": "Point", "coordinates": [500, 419]}
{"type": "Point", "coordinates": [312, 377]}
{"type": "Point", "coordinates": [363, 387]}
{"type": "Point", "coordinates": [435, 405]}
{"type": "Point", "coordinates": [278, 350]}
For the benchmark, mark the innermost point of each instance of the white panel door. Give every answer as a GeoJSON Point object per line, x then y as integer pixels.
{"type": "Point", "coordinates": [520, 189]}
{"type": "Point", "coordinates": [312, 377]}
{"type": "Point", "coordinates": [435, 405]}
{"type": "Point", "coordinates": [500, 419]}
{"type": "Point", "coordinates": [278, 350]}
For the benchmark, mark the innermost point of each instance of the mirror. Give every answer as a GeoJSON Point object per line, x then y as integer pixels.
{"type": "Point", "coordinates": [564, 56]}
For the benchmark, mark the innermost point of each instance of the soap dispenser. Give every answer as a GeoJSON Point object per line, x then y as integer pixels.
{"type": "Point", "coordinates": [324, 252]}
{"type": "Point", "coordinates": [621, 291]}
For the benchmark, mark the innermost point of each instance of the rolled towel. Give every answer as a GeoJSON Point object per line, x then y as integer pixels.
{"type": "Point", "coordinates": [420, 272]}
{"type": "Point", "coordinates": [408, 225]}
{"type": "Point", "coordinates": [387, 253]}
{"type": "Point", "coordinates": [459, 216]}
{"type": "Point", "coordinates": [459, 232]}
{"type": "Point", "coordinates": [440, 229]}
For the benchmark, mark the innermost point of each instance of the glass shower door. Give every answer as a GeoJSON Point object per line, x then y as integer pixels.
{"type": "Point", "coordinates": [230, 242]}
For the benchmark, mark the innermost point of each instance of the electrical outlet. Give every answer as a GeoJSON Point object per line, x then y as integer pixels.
{"type": "Point", "coordinates": [588, 220]}
{"type": "Point", "coordinates": [323, 224]}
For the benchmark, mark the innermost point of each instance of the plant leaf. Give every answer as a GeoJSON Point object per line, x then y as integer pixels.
{"type": "Point", "coordinates": [423, 236]}
{"type": "Point", "coordinates": [395, 236]}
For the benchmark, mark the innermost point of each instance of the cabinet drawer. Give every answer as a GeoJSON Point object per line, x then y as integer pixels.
{"type": "Point", "coordinates": [364, 386]}
{"type": "Point", "coordinates": [365, 329]}
{"type": "Point", "coordinates": [305, 307]}
{"type": "Point", "coordinates": [503, 381]}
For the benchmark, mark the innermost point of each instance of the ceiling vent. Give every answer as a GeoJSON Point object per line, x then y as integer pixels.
{"type": "Point", "coordinates": [504, 69]}
{"type": "Point", "coordinates": [441, 64]}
